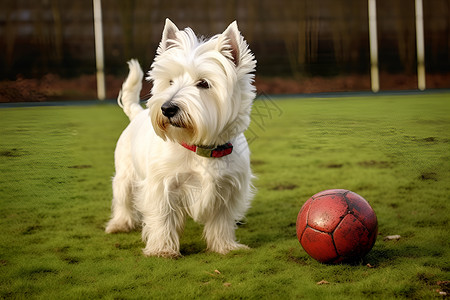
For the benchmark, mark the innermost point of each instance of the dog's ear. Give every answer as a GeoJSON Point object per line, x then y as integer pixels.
{"type": "Point", "coordinates": [231, 43]}
{"type": "Point", "coordinates": [169, 36]}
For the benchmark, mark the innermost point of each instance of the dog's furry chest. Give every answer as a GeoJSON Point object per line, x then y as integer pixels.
{"type": "Point", "coordinates": [195, 189]}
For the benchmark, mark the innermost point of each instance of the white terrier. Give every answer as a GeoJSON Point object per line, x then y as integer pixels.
{"type": "Point", "coordinates": [186, 154]}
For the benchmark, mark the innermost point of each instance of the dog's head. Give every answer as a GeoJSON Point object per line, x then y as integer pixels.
{"type": "Point", "coordinates": [202, 89]}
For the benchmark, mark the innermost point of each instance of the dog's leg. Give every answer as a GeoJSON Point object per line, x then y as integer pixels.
{"type": "Point", "coordinates": [124, 216]}
{"type": "Point", "coordinates": [219, 233]}
{"type": "Point", "coordinates": [122, 219]}
{"type": "Point", "coordinates": [162, 226]}
{"type": "Point", "coordinates": [230, 205]}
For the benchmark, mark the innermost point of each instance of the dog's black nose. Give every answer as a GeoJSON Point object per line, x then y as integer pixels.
{"type": "Point", "coordinates": [169, 109]}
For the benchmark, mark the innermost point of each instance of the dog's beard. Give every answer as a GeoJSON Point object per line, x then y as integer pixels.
{"type": "Point", "coordinates": [179, 128]}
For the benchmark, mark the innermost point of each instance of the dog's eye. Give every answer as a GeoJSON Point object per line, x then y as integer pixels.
{"type": "Point", "coordinates": [171, 82]}
{"type": "Point", "coordinates": [203, 84]}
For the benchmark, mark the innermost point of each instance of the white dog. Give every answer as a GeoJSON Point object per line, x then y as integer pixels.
{"type": "Point", "coordinates": [186, 154]}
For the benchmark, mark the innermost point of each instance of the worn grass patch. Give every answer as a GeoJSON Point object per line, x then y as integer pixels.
{"type": "Point", "coordinates": [56, 165]}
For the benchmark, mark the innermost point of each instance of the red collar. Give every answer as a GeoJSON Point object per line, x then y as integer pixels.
{"type": "Point", "coordinates": [219, 151]}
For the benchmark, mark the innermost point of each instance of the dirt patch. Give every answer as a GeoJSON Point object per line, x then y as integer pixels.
{"type": "Point", "coordinates": [53, 88]}
{"type": "Point", "coordinates": [430, 139]}
{"type": "Point", "coordinates": [375, 164]}
{"type": "Point", "coordinates": [256, 162]}
{"type": "Point", "coordinates": [428, 176]}
{"type": "Point", "coordinates": [11, 153]}
{"type": "Point", "coordinates": [283, 187]}
{"type": "Point", "coordinates": [334, 166]}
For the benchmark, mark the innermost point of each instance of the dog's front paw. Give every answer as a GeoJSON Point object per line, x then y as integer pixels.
{"type": "Point", "coordinates": [168, 253]}
{"type": "Point", "coordinates": [226, 248]}
{"type": "Point", "coordinates": [115, 226]}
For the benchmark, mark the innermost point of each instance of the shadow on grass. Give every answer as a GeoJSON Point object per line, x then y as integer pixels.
{"type": "Point", "coordinates": [383, 254]}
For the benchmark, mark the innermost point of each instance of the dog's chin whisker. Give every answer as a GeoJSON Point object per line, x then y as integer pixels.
{"type": "Point", "coordinates": [181, 123]}
{"type": "Point", "coordinates": [177, 124]}
{"type": "Point", "coordinates": [161, 122]}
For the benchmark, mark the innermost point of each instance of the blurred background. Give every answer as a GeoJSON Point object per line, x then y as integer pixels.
{"type": "Point", "coordinates": [47, 49]}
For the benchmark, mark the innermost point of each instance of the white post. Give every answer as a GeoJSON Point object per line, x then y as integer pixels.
{"type": "Point", "coordinates": [420, 46]}
{"type": "Point", "coordinates": [98, 33]}
{"type": "Point", "coordinates": [373, 44]}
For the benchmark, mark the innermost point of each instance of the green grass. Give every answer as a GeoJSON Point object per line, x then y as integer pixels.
{"type": "Point", "coordinates": [56, 165]}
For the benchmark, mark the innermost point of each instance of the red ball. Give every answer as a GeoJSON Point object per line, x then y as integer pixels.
{"type": "Point", "coordinates": [336, 226]}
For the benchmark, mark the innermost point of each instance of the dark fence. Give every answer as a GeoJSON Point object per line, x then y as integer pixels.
{"type": "Point", "coordinates": [289, 37]}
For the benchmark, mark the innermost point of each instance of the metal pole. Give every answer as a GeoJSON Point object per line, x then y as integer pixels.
{"type": "Point", "coordinates": [98, 33]}
{"type": "Point", "coordinates": [420, 41]}
{"type": "Point", "coordinates": [373, 44]}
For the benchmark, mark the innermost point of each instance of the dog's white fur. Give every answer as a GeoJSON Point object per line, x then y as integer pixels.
{"type": "Point", "coordinates": [158, 182]}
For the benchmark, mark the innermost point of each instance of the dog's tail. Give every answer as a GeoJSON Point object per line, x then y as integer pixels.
{"type": "Point", "coordinates": [128, 97]}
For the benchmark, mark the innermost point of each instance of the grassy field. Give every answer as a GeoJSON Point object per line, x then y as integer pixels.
{"type": "Point", "coordinates": [56, 165]}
